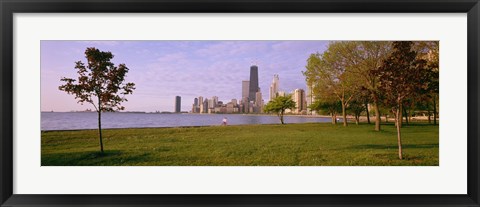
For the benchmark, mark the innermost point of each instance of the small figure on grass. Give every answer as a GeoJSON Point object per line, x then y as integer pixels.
{"type": "Point", "coordinates": [224, 121]}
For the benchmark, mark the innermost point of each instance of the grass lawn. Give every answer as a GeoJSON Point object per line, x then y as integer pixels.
{"type": "Point", "coordinates": [310, 144]}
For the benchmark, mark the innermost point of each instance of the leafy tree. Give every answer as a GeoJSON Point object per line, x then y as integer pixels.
{"type": "Point", "coordinates": [329, 72]}
{"type": "Point", "coordinates": [400, 75]}
{"type": "Point", "coordinates": [356, 107]}
{"type": "Point", "coordinates": [429, 51]}
{"type": "Point", "coordinates": [365, 56]}
{"type": "Point", "coordinates": [331, 107]}
{"type": "Point", "coordinates": [279, 104]}
{"type": "Point", "coordinates": [99, 83]}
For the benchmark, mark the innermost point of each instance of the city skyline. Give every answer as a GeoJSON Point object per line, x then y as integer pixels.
{"type": "Point", "coordinates": [163, 70]}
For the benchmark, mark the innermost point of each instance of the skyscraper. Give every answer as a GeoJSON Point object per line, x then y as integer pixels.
{"type": "Point", "coordinates": [274, 87]}
{"type": "Point", "coordinates": [258, 102]}
{"type": "Point", "coordinates": [300, 101]}
{"type": "Point", "coordinates": [200, 104]}
{"type": "Point", "coordinates": [205, 105]}
{"type": "Point", "coordinates": [253, 87]}
{"type": "Point", "coordinates": [178, 104]}
{"type": "Point", "coordinates": [214, 101]}
{"type": "Point", "coordinates": [195, 105]}
{"type": "Point", "coordinates": [245, 86]}
{"type": "Point", "coordinates": [246, 105]}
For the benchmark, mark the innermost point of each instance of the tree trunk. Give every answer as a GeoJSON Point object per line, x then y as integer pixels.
{"type": "Point", "coordinates": [377, 112]}
{"type": "Point", "coordinates": [434, 110]}
{"type": "Point", "coordinates": [368, 115]}
{"type": "Point", "coordinates": [281, 117]}
{"type": "Point", "coordinates": [386, 118]}
{"type": "Point", "coordinates": [357, 118]}
{"type": "Point", "coordinates": [400, 115]}
{"type": "Point", "coordinates": [100, 125]}
{"type": "Point", "coordinates": [405, 113]}
{"type": "Point", "coordinates": [398, 120]}
{"type": "Point", "coordinates": [344, 114]}
{"type": "Point", "coordinates": [333, 118]}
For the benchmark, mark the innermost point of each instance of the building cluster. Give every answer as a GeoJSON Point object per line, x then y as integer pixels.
{"type": "Point", "coordinates": [251, 101]}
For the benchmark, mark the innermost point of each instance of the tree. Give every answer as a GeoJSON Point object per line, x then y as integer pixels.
{"type": "Point", "coordinates": [429, 51]}
{"type": "Point", "coordinates": [400, 75]}
{"type": "Point", "coordinates": [329, 72]}
{"type": "Point", "coordinates": [332, 107]}
{"type": "Point", "coordinates": [99, 83]}
{"type": "Point", "coordinates": [279, 104]}
{"type": "Point", "coordinates": [356, 106]}
{"type": "Point", "coordinates": [365, 57]}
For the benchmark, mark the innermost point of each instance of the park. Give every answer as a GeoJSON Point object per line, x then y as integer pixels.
{"type": "Point", "coordinates": [398, 79]}
{"type": "Point", "coordinates": [310, 144]}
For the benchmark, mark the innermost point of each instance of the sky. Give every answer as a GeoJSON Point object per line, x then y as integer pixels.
{"type": "Point", "coordinates": [162, 70]}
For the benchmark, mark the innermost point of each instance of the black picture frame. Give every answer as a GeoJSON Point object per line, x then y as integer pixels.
{"type": "Point", "coordinates": [10, 7]}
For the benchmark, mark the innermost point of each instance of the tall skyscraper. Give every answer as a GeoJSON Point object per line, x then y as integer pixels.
{"type": "Point", "coordinates": [195, 105]}
{"type": "Point", "coordinates": [253, 87]}
{"type": "Point", "coordinates": [300, 100]}
{"type": "Point", "coordinates": [178, 104]}
{"type": "Point", "coordinates": [200, 104]}
{"type": "Point", "coordinates": [214, 101]}
{"type": "Point", "coordinates": [245, 87]}
{"type": "Point", "coordinates": [274, 87]}
{"type": "Point", "coordinates": [205, 105]}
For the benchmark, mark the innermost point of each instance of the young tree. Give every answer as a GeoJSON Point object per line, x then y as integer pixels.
{"type": "Point", "coordinates": [278, 105]}
{"type": "Point", "coordinates": [400, 75]}
{"type": "Point", "coordinates": [99, 83]}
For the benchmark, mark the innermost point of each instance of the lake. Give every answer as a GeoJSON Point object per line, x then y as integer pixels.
{"type": "Point", "coordinates": [88, 120]}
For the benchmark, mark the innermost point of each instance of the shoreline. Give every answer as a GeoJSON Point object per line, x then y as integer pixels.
{"type": "Point", "coordinates": [236, 125]}
{"type": "Point", "coordinates": [173, 127]}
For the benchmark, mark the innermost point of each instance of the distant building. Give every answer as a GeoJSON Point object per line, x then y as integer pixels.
{"type": "Point", "coordinates": [258, 102]}
{"type": "Point", "coordinates": [200, 106]}
{"type": "Point", "coordinates": [253, 87]}
{"type": "Point", "coordinates": [215, 101]}
{"type": "Point", "coordinates": [274, 87]}
{"type": "Point", "coordinates": [178, 104]}
{"type": "Point", "coordinates": [205, 106]}
{"type": "Point", "coordinates": [282, 93]}
{"type": "Point", "coordinates": [195, 106]}
{"type": "Point", "coordinates": [230, 108]}
{"type": "Point", "coordinates": [245, 88]}
{"type": "Point", "coordinates": [300, 101]}
{"type": "Point", "coordinates": [211, 105]}
{"type": "Point", "coordinates": [246, 105]}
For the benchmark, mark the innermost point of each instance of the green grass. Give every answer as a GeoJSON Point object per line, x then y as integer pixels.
{"type": "Point", "coordinates": [312, 144]}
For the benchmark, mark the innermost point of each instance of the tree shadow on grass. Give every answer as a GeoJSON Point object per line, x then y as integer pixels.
{"type": "Point", "coordinates": [404, 146]}
{"type": "Point", "coordinates": [91, 158]}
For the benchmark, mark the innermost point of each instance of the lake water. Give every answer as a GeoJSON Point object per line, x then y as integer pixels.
{"type": "Point", "coordinates": [88, 120]}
